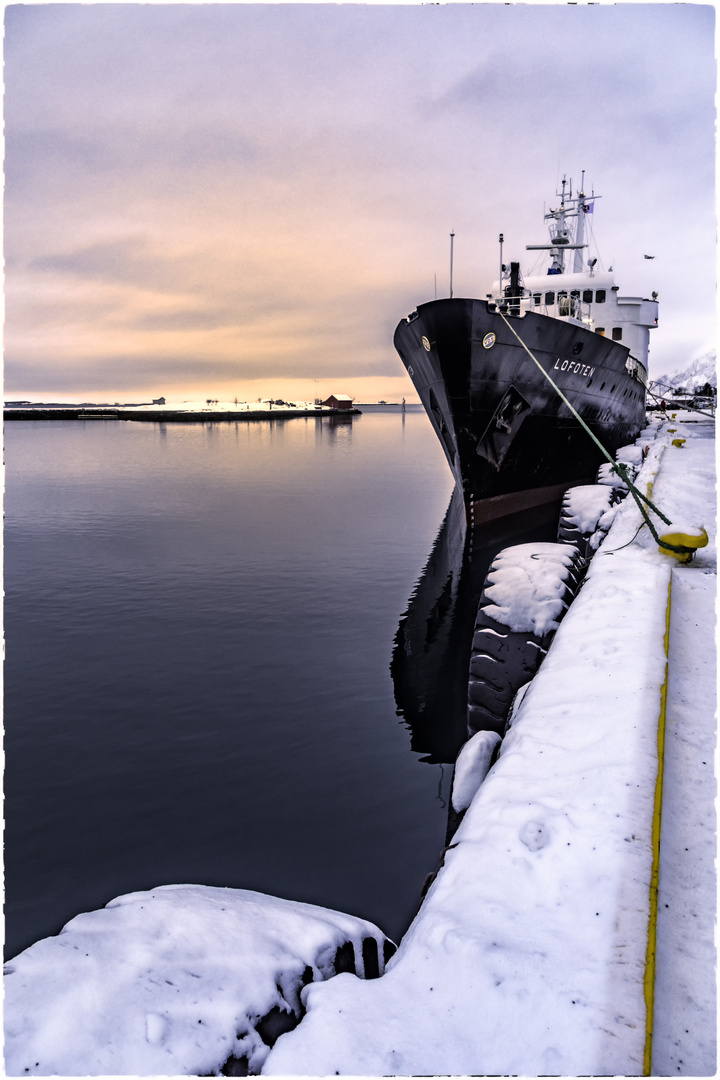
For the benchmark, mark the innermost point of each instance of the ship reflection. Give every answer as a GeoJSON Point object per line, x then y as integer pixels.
{"type": "Point", "coordinates": [431, 657]}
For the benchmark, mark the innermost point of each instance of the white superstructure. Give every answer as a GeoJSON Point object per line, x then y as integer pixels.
{"type": "Point", "coordinates": [580, 295]}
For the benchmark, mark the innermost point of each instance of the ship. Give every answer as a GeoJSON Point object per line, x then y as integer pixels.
{"type": "Point", "coordinates": [511, 440]}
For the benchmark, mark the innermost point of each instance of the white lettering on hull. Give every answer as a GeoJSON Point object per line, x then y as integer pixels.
{"type": "Point", "coordinates": [574, 368]}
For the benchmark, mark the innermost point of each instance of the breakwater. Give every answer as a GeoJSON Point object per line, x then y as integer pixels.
{"type": "Point", "coordinates": [170, 415]}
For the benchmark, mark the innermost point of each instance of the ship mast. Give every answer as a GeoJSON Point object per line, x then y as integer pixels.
{"type": "Point", "coordinates": [560, 237]}
{"type": "Point", "coordinates": [580, 227]}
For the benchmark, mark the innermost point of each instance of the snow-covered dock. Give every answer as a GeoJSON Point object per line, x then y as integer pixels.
{"type": "Point", "coordinates": [543, 945]}
{"type": "Point", "coordinates": [533, 951]}
{"type": "Point", "coordinates": [182, 980]}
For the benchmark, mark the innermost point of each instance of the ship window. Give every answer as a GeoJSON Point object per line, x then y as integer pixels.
{"type": "Point", "coordinates": [537, 297]}
{"type": "Point", "coordinates": [549, 297]}
{"type": "Point", "coordinates": [587, 296]}
{"type": "Point", "coordinates": [600, 296]}
{"type": "Point", "coordinates": [600, 330]}
{"type": "Point", "coordinates": [617, 333]}
{"type": "Point", "coordinates": [575, 293]}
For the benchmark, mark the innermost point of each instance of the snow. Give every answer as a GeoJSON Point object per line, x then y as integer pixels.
{"type": "Point", "coordinates": [684, 1042]}
{"type": "Point", "coordinates": [630, 455]}
{"type": "Point", "coordinates": [472, 767]}
{"type": "Point", "coordinates": [529, 953]}
{"type": "Point", "coordinates": [585, 505]}
{"type": "Point", "coordinates": [527, 593]}
{"type": "Point", "coordinates": [607, 475]}
{"type": "Point", "coordinates": [702, 370]}
{"type": "Point", "coordinates": [168, 982]}
{"type": "Point", "coordinates": [685, 993]}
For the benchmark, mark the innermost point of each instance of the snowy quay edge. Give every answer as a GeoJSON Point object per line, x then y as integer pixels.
{"type": "Point", "coordinates": [565, 933]}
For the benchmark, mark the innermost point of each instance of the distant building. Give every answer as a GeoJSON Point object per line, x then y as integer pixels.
{"type": "Point", "coordinates": [339, 401]}
{"type": "Point", "coordinates": [158, 401]}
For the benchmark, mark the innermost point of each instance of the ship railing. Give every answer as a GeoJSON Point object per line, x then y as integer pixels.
{"type": "Point", "coordinates": [566, 305]}
{"type": "Point", "coordinates": [637, 370]}
{"type": "Point", "coordinates": [509, 305]}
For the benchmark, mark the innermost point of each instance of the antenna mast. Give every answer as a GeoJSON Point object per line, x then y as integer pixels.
{"type": "Point", "coordinates": [501, 267]}
{"type": "Point", "coordinates": [452, 239]}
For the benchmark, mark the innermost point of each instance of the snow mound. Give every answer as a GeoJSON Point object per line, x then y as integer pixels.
{"type": "Point", "coordinates": [471, 768]}
{"type": "Point", "coordinates": [175, 981]}
{"type": "Point", "coordinates": [528, 586]}
{"type": "Point", "coordinates": [688, 528]}
{"type": "Point", "coordinates": [607, 475]}
{"type": "Point", "coordinates": [630, 455]}
{"type": "Point", "coordinates": [585, 506]}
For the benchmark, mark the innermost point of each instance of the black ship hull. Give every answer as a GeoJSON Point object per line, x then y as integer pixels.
{"type": "Point", "coordinates": [510, 440]}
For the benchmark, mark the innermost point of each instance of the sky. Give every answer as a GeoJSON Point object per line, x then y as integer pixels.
{"type": "Point", "coordinates": [220, 200]}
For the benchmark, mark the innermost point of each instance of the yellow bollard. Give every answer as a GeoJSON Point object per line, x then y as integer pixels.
{"type": "Point", "coordinates": [678, 442]}
{"type": "Point", "coordinates": [672, 430]}
{"type": "Point", "coordinates": [684, 536]}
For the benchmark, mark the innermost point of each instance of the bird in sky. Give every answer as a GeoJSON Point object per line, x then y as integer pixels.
{"type": "Point", "coordinates": [649, 256]}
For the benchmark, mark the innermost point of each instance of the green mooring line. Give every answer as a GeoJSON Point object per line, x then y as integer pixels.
{"type": "Point", "coordinates": [618, 467]}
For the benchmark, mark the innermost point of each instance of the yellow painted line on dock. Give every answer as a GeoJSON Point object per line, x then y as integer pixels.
{"type": "Point", "coordinates": [656, 827]}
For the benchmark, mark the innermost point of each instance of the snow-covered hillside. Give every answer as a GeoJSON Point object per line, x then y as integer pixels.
{"type": "Point", "coordinates": [702, 370]}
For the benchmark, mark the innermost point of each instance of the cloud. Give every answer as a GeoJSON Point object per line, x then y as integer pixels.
{"type": "Point", "coordinates": [269, 188]}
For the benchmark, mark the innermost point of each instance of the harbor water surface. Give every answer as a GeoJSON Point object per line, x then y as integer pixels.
{"type": "Point", "coordinates": [236, 655]}
{"type": "Point", "coordinates": [200, 622]}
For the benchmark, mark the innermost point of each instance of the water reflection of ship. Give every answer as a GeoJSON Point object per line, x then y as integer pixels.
{"type": "Point", "coordinates": [431, 656]}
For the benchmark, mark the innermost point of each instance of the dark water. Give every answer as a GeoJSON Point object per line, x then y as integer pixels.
{"type": "Point", "coordinates": [200, 622]}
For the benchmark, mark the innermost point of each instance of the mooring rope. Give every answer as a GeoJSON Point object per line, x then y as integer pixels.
{"type": "Point", "coordinates": [619, 467]}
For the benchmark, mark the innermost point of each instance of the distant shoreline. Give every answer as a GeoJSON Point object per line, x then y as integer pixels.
{"type": "Point", "coordinates": [165, 414]}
